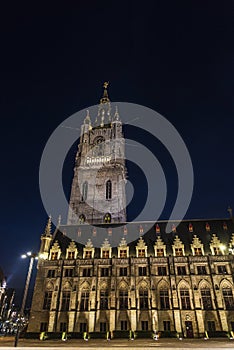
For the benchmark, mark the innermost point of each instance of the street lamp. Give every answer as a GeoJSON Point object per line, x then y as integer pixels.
{"type": "Point", "coordinates": [32, 257]}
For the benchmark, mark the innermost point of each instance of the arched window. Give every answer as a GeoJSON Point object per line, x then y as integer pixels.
{"type": "Point", "coordinates": [84, 191]}
{"type": "Point", "coordinates": [123, 299]}
{"type": "Point", "coordinates": [108, 189]}
{"type": "Point", "coordinates": [103, 299]}
{"type": "Point", "coordinates": [143, 296]}
{"type": "Point", "coordinates": [81, 219]}
{"type": "Point", "coordinates": [107, 218]}
{"type": "Point", "coordinates": [185, 299]}
{"type": "Point", "coordinates": [98, 149]}
{"type": "Point", "coordinates": [206, 298]}
{"type": "Point", "coordinates": [84, 300]}
{"type": "Point", "coordinates": [228, 298]}
{"type": "Point", "coordinates": [164, 299]}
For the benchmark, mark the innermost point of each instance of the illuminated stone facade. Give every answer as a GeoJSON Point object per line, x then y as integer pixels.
{"type": "Point", "coordinates": [174, 283]}
{"type": "Point", "coordinates": [180, 282]}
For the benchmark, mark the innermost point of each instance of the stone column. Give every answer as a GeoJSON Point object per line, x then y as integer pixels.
{"type": "Point", "coordinates": [200, 321]}
{"type": "Point", "coordinates": [91, 321]}
{"type": "Point", "coordinates": [223, 319]}
{"type": "Point", "coordinates": [178, 326]}
{"type": "Point", "coordinates": [112, 320]}
{"type": "Point", "coordinates": [71, 321]}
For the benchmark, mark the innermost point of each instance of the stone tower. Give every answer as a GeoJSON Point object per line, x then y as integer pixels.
{"type": "Point", "coordinates": [98, 187]}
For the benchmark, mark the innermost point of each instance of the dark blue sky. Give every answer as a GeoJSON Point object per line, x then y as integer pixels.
{"type": "Point", "coordinates": [175, 57]}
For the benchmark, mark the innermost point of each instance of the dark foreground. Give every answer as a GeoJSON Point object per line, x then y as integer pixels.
{"type": "Point", "coordinates": [8, 343]}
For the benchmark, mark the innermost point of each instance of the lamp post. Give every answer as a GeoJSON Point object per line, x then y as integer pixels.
{"type": "Point", "coordinates": [32, 257]}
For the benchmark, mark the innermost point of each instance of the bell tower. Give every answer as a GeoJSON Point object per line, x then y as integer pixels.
{"type": "Point", "coordinates": [98, 187]}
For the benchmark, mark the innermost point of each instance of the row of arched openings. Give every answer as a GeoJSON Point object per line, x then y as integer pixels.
{"type": "Point", "coordinates": [84, 193]}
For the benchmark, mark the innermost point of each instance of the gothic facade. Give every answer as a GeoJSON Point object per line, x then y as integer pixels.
{"type": "Point", "coordinates": [180, 282]}
{"type": "Point", "coordinates": [173, 283]}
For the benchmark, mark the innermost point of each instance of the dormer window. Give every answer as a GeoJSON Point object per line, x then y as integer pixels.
{"type": "Point", "coordinates": [160, 251]}
{"type": "Point", "coordinates": [88, 254]}
{"type": "Point", "coordinates": [71, 255]}
{"type": "Point", "coordinates": [54, 255]}
{"type": "Point", "coordinates": [197, 251]}
{"type": "Point", "coordinates": [216, 250]}
{"type": "Point", "coordinates": [178, 252]}
{"type": "Point", "coordinates": [105, 254]}
{"type": "Point", "coordinates": [123, 253]}
{"type": "Point", "coordinates": [157, 228]}
{"type": "Point", "coordinates": [141, 253]}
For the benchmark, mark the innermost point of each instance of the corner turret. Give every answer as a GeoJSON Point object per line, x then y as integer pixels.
{"type": "Point", "coordinates": [46, 239]}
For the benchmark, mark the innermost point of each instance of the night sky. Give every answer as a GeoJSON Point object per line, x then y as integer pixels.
{"type": "Point", "coordinates": [175, 57]}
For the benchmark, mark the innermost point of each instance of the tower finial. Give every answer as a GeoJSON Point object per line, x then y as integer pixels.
{"type": "Point", "coordinates": [105, 98]}
{"type": "Point", "coordinates": [105, 85]}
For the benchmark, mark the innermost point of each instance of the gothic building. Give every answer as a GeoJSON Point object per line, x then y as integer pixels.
{"type": "Point", "coordinates": [173, 283]}
{"type": "Point", "coordinates": [6, 299]}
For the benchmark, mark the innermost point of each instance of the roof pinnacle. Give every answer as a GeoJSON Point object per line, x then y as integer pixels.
{"type": "Point", "coordinates": [116, 115]}
{"type": "Point", "coordinates": [47, 231]}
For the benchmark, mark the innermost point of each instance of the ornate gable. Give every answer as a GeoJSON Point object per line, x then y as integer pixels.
{"type": "Point", "coordinates": [71, 252]}
{"type": "Point", "coordinates": [196, 246]}
{"type": "Point", "coordinates": [106, 249]}
{"type": "Point", "coordinates": [141, 248]}
{"type": "Point", "coordinates": [123, 249]}
{"type": "Point", "coordinates": [55, 251]}
{"type": "Point", "coordinates": [88, 251]}
{"type": "Point", "coordinates": [159, 247]}
{"type": "Point", "coordinates": [215, 245]}
{"type": "Point", "coordinates": [178, 247]}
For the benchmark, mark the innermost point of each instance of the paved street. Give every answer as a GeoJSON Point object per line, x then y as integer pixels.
{"type": "Point", "coordinates": [8, 343]}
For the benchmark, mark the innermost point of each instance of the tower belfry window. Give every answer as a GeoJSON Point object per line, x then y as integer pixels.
{"type": "Point", "coordinates": [84, 191]}
{"type": "Point", "coordinates": [98, 149]}
{"type": "Point", "coordinates": [108, 189]}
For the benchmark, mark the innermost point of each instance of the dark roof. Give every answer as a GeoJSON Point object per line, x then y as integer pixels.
{"type": "Point", "coordinates": [223, 228]}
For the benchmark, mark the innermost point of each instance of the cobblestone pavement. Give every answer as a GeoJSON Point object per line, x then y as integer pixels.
{"type": "Point", "coordinates": [8, 343]}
